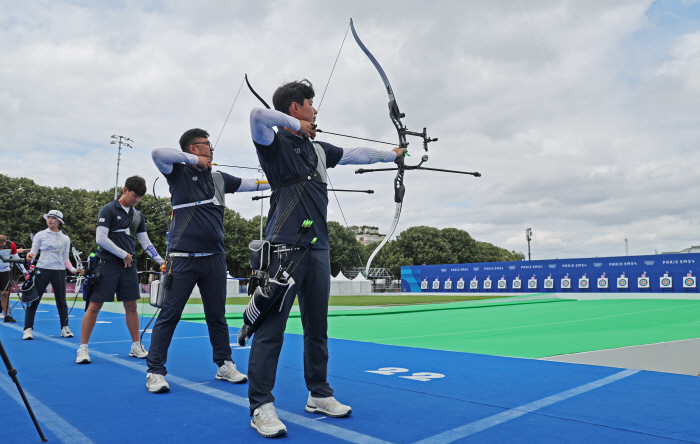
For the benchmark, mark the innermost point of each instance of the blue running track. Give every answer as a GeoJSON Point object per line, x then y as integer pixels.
{"type": "Point", "coordinates": [398, 394]}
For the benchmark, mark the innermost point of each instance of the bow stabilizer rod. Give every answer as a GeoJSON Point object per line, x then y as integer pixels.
{"type": "Point", "coordinates": [329, 189]}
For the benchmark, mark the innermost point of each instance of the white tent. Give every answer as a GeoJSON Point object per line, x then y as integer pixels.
{"type": "Point", "coordinates": [335, 286]}
{"type": "Point", "coordinates": [361, 285]}
{"type": "Point", "coordinates": [341, 285]}
{"type": "Point", "coordinates": [341, 277]}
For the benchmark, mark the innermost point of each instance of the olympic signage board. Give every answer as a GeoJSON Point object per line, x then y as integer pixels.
{"type": "Point", "coordinates": [653, 267]}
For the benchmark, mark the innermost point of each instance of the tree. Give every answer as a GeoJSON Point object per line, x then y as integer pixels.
{"type": "Point", "coordinates": [238, 232]}
{"type": "Point", "coordinates": [344, 247]}
{"type": "Point", "coordinates": [462, 246]}
{"type": "Point", "coordinates": [424, 245]}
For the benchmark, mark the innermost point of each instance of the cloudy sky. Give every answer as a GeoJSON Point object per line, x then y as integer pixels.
{"type": "Point", "coordinates": [582, 117]}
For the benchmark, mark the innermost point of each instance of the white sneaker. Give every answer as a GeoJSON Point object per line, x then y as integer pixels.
{"type": "Point", "coordinates": [327, 406]}
{"type": "Point", "coordinates": [28, 334]}
{"type": "Point", "coordinates": [66, 333]}
{"type": "Point", "coordinates": [266, 422]}
{"type": "Point", "coordinates": [83, 355]}
{"type": "Point", "coordinates": [228, 372]}
{"type": "Point", "coordinates": [156, 383]}
{"type": "Point", "coordinates": [137, 351]}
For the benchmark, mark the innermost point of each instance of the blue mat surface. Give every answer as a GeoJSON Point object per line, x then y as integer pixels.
{"type": "Point", "coordinates": [398, 394]}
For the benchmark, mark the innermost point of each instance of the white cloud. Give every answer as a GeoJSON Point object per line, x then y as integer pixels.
{"type": "Point", "coordinates": [582, 117]}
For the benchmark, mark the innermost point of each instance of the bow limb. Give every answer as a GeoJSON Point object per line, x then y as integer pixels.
{"type": "Point", "coordinates": [256, 94]}
{"type": "Point", "coordinates": [394, 112]}
{"type": "Point", "coordinates": [395, 115]}
{"type": "Point", "coordinates": [397, 215]}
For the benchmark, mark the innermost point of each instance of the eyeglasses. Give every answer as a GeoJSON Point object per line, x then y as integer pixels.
{"type": "Point", "coordinates": [204, 143]}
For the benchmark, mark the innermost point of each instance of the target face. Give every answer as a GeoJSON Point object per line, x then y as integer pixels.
{"type": "Point", "coordinates": [689, 281]}
{"type": "Point", "coordinates": [474, 285]}
{"type": "Point", "coordinates": [643, 282]}
{"type": "Point", "coordinates": [487, 284]}
{"type": "Point", "coordinates": [565, 283]}
{"type": "Point", "coordinates": [548, 284]}
{"type": "Point", "coordinates": [665, 282]}
{"type": "Point", "coordinates": [460, 285]}
{"type": "Point", "coordinates": [583, 284]}
{"type": "Point", "coordinates": [532, 284]}
{"type": "Point", "coordinates": [623, 282]}
{"type": "Point", "coordinates": [423, 285]}
{"type": "Point", "coordinates": [448, 285]}
{"type": "Point", "coordinates": [501, 284]}
{"type": "Point", "coordinates": [516, 284]}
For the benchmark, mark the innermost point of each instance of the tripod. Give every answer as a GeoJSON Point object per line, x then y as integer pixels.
{"type": "Point", "coordinates": [13, 374]}
{"type": "Point", "coordinates": [11, 370]}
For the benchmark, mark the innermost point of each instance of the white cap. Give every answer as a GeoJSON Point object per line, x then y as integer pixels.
{"type": "Point", "coordinates": [55, 213]}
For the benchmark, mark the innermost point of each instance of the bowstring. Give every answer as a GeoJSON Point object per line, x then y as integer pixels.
{"type": "Point", "coordinates": [320, 103]}
{"type": "Point", "coordinates": [229, 114]}
{"type": "Point", "coordinates": [332, 70]}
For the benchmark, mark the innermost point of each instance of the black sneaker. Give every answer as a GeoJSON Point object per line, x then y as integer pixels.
{"type": "Point", "coordinates": [9, 319]}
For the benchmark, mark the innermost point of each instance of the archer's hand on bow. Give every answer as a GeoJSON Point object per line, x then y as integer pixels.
{"type": "Point", "coordinates": [307, 128]}
{"type": "Point", "coordinates": [399, 152]}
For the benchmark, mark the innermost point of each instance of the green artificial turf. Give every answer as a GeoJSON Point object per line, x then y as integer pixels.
{"type": "Point", "coordinates": [529, 329]}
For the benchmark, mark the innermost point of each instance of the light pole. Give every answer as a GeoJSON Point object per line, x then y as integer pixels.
{"type": "Point", "coordinates": [119, 140]}
{"type": "Point", "coordinates": [528, 236]}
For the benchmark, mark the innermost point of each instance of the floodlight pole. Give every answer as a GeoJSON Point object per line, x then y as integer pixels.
{"type": "Point", "coordinates": [119, 140]}
{"type": "Point", "coordinates": [528, 236]}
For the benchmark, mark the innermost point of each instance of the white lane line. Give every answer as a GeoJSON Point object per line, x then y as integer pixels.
{"type": "Point", "coordinates": [538, 325]}
{"type": "Point", "coordinates": [47, 418]}
{"type": "Point", "coordinates": [335, 431]}
{"type": "Point", "coordinates": [500, 418]}
{"type": "Point", "coordinates": [130, 341]}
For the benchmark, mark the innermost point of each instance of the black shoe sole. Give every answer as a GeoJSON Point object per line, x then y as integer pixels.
{"type": "Point", "coordinates": [325, 412]}
{"type": "Point", "coordinates": [160, 390]}
{"type": "Point", "coordinates": [276, 435]}
{"type": "Point", "coordinates": [232, 382]}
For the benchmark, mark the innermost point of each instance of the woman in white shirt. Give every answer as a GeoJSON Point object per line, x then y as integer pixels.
{"type": "Point", "coordinates": [54, 246]}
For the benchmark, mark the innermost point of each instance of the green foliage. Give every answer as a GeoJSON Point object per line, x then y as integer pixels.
{"type": "Point", "coordinates": [238, 232]}
{"type": "Point", "coordinates": [343, 246]}
{"type": "Point", "coordinates": [428, 246]}
{"type": "Point", "coordinates": [23, 202]}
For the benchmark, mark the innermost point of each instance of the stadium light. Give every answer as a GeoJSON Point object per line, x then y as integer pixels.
{"type": "Point", "coordinates": [528, 236]}
{"type": "Point", "coordinates": [119, 140]}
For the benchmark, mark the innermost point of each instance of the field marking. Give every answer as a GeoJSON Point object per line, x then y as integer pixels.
{"type": "Point", "coordinates": [484, 318]}
{"type": "Point", "coordinates": [500, 418]}
{"type": "Point", "coordinates": [46, 417]}
{"type": "Point", "coordinates": [130, 341]}
{"type": "Point", "coordinates": [489, 318]}
{"type": "Point", "coordinates": [335, 431]}
{"type": "Point", "coordinates": [534, 325]}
